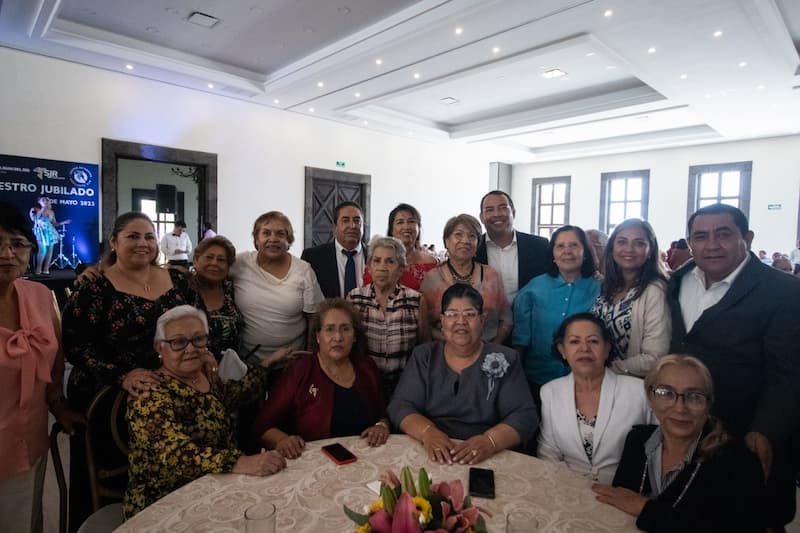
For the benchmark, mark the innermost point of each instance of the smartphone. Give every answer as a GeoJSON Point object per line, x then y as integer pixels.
{"type": "Point", "coordinates": [338, 454]}
{"type": "Point", "coordinates": [481, 483]}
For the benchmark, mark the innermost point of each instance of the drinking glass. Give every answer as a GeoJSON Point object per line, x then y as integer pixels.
{"type": "Point", "coordinates": [521, 522]}
{"type": "Point", "coordinates": [260, 518]}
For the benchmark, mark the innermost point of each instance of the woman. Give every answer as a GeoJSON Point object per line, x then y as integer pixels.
{"type": "Point", "coordinates": [45, 228]}
{"type": "Point", "coordinates": [569, 286]}
{"type": "Point", "coordinates": [686, 474]}
{"type": "Point", "coordinates": [605, 405]}
{"type": "Point", "coordinates": [334, 392]}
{"type": "Point", "coordinates": [212, 261]}
{"type": "Point", "coordinates": [405, 223]}
{"type": "Point", "coordinates": [463, 388]}
{"type": "Point", "coordinates": [181, 430]}
{"type": "Point", "coordinates": [277, 292]}
{"type": "Point", "coordinates": [394, 316]}
{"type": "Point", "coordinates": [31, 375]}
{"type": "Point", "coordinates": [461, 240]}
{"type": "Point", "coordinates": [633, 298]}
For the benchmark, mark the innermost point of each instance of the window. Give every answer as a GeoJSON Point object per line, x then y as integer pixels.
{"type": "Point", "coordinates": [623, 195]}
{"type": "Point", "coordinates": [550, 205]}
{"type": "Point", "coordinates": [725, 183]}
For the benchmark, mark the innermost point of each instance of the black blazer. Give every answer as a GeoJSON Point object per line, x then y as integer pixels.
{"type": "Point", "coordinates": [726, 494]}
{"type": "Point", "coordinates": [750, 341]}
{"type": "Point", "coordinates": [531, 253]}
{"type": "Point", "coordinates": [323, 260]}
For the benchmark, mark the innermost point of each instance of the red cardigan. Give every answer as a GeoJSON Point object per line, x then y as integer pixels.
{"type": "Point", "coordinates": [301, 402]}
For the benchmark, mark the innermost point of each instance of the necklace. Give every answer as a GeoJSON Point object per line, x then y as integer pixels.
{"type": "Point", "coordinates": [347, 377]}
{"type": "Point", "coordinates": [685, 487]}
{"type": "Point", "coordinates": [145, 285]}
{"type": "Point", "coordinates": [459, 277]}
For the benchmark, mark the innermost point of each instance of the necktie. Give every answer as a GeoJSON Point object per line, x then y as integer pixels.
{"type": "Point", "coordinates": [349, 272]}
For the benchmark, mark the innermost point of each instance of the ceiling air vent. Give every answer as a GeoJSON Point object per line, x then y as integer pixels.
{"type": "Point", "coordinates": [449, 100]}
{"type": "Point", "coordinates": [201, 19]}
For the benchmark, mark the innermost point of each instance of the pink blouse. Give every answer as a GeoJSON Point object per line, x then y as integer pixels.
{"type": "Point", "coordinates": [31, 377]}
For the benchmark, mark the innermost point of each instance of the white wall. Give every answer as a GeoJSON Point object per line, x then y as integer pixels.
{"type": "Point", "coordinates": [59, 110]}
{"type": "Point", "coordinates": [775, 180]}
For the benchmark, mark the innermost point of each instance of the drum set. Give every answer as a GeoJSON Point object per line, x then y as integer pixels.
{"type": "Point", "coordinates": [62, 261]}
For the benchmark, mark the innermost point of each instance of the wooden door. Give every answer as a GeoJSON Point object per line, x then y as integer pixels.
{"type": "Point", "coordinates": [325, 189]}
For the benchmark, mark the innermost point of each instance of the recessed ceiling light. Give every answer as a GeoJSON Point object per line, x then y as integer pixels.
{"type": "Point", "coordinates": [310, 109]}
{"type": "Point", "coordinates": [742, 63]}
{"type": "Point", "coordinates": [357, 95]}
{"type": "Point", "coordinates": [707, 96]}
{"type": "Point", "coordinates": [201, 19]}
{"type": "Point", "coordinates": [379, 61]}
{"type": "Point", "coordinates": [276, 101]}
{"type": "Point", "coordinates": [496, 50]}
{"type": "Point", "coordinates": [589, 54]}
{"type": "Point", "coordinates": [210, 85]}
{"type": "Point", "coordinates": [366, 123]}
{"type": "Point", "coordinates": [320, 84]}
{"type": "Point", "coordinates": [684, 76]}
{"type": "Point", "coordinates": [553, 73]}
{"type": "Point", "coordinates": [416, 75]}
{"type": "Point", "coordinates": [129, 66]}
{"type": "Point", "coordinates": [607, 13]}
{"type": "Point", "coordinates": [761, 87]}
{"type": "Point", "coordinates": [459, 31]}
{"type": "Point", "coordinates": [651, 50]}
{"type": "Point", "coordinates": [611, 67]}
{"type": "Point", "coordinates": [718, 33]}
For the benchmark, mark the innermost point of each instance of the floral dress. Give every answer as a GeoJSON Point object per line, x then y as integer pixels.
{"type": "Point", "coordinates": [178, 434]}
{"type": "Point", "coordinates": [224, 324]}
{"type": "Point", "coordinates": [107, 333]}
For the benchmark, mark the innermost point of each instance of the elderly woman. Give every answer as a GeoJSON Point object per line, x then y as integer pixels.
{"type": "Point", "coordinates": [461, 240]}
{"type": "Point", "coordinates": [405, 223]}
{"type": "Point", "coordinates": [31, 375]}
{"type": "Point", "coordinates": [394, 316]}
{"type": "Point", "coordinates": [633, 299]}
{"type": "Point", "coordinates": [277, 292]}
{"type": "Point", "coordinates": [568, 287]}
{"type": "Point", "coordinates": [181, 429]}
{"type": "Point", "coordinates": [334, 392]}
{"type": "Point", "coordinates": [463, 388]}
{"type": "Point", "coordinates": [587, 414]}
{"type": "Point", "coordinates": [212, 262]}
{"type": "Point", "coordinates": [686, 474]}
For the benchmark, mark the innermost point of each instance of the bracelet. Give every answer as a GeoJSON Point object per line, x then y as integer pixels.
{"type": "Point", "coordinates": [488, 436]}
{"type": "Point", "coordinates": [382, 423]}
{"type": "Point", "coordinates": [422, 435]}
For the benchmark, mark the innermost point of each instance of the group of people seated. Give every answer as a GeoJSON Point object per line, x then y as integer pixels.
{"type": "Point", "coordinates": [512, 342]}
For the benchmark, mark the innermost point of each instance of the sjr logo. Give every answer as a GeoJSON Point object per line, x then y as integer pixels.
{"type": "Point", "coordinates": [43, 173]}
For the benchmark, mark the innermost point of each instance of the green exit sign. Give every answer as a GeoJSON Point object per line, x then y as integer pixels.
{"type": "Point", "coordinates": [340, 164]}
{"type": "Point", "coordinates": [774, 207]}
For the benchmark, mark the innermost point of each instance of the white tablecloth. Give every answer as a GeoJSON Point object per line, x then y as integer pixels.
{"type": "Point", "coordinates": [310, 492]}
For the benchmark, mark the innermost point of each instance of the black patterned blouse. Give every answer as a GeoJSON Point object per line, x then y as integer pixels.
{"type": "Point", "coordinates": [107, 333]}
{"type": "Point", "coordinates": [224, 324]}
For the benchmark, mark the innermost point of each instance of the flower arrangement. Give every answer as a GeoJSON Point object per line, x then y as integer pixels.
{"type": "Point", "coordinates": [406, 508]}
{"type": "Point", "coordinates": [495, 367]}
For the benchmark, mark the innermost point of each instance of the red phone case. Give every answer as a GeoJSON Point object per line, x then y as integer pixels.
{"type": "Point", "coordinates": [340, 461]}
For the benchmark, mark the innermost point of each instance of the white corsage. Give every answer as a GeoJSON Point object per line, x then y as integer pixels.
{"type": "Point", "coordinates": [495, 367]}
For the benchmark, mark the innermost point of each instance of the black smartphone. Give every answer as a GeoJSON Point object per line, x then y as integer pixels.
{"type": "Point", "coordinates": [338, 454]}
{"type": "Point", "coordinates": [481, 482]}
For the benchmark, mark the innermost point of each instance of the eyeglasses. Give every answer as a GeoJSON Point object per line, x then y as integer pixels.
{"type": "Point", "coordinates": [344, 329]}
{"type": "Point", "coordinates": [667, 397]}
{"type": "Point", "coordinates": [469, 315]}
{"type": "Point", "coordinates": [180, 343]}
{"type": "Point", "coordinates": [17, 246]}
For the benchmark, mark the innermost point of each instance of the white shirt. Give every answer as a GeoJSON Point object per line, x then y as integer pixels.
{"type": "Point", "coordinates": [171, 242]}
{"type": "Point", "coordinates": [341, 263]}
{"type": "Point", "coordinates": [506, 261]}
{"type": "Point", "coordinates": [695, 298]}
{"type": "Point", "coordinates": [794, 256]}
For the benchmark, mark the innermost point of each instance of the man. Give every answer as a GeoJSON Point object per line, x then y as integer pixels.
{"type": "Point", "coordinates": [339, 265]}
{"type": "Point", "coordinates": [794, 255]}
{"type": "Point", "coordinates": [517, 256]}
{"type": "Point", "coordinates": [740, 317]}
{"type": "Point", "coordinates": [177, 246]}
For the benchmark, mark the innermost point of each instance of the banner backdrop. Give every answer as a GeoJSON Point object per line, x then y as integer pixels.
{"type": "Point", "coordinates": [73, 188]}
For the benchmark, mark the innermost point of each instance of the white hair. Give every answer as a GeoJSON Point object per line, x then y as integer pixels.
{"type": "Point", "coordinates": [179, 312]}
{"type": "Point", "coordinates": [393, 243]}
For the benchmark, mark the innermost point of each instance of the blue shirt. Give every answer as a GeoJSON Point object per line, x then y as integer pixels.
{"type": "Point", "coordinates": [539, 309]}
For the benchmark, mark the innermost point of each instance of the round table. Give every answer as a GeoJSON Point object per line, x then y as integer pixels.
{"type": "Point", "coordinates": [310, 492]}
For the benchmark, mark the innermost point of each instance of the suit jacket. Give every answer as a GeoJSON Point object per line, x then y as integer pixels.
{"type": "Point", "coordinates": [323, 260]}
{"type": "Point", "coordinates": [623, 404]}
{"type": "Point", "coordinates": [726, 494]}
{"type": "Point", "coordinates": [750, 341]}
{"type": "Point", "coordinates": [531, 255]}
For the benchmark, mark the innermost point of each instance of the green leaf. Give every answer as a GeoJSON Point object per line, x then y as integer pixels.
{"type": "Point", "coordinates": [407, 481]}
{"type": "Point", "coordinates": [467, 502]}
{"type": "Point", "coordinates": [424, 483]}
{"type": "Point", "coordinates": [480, 525]}
{"type": "Point", "coordinates": [389, 499]}
{"type": "Point", "coordinates": [358, 518]}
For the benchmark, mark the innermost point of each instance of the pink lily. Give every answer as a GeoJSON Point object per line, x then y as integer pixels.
{"type": "Point", "coordinates": [405, 519]}
{"type": "Point", "coordinates": [380, 522]}
{"type": "Point", "coordinates": [390, 479]}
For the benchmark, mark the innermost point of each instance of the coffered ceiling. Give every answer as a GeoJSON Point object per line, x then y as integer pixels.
{"type": "Point", "coordinates": [531, 80]}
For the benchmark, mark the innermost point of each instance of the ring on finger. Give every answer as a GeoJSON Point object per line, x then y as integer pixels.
{"type": "Point", "coordinates": [474, 453]}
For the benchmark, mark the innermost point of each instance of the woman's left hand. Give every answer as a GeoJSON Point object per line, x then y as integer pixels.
{"type": "Point", "coordinates": [376, 435]}
{"type": "Point", "coordinates": [473, 450]}
{"type": "Point", "coordinates": [209, 366]}
{"type": "Point", "coordinates": [623, 499]}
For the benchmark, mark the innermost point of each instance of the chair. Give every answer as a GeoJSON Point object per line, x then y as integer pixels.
{"type": "Point", "coordinates": [106, 441]}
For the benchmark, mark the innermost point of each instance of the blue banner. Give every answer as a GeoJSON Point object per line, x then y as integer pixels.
{"type": "Point", "coordinates": [74, 192]}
